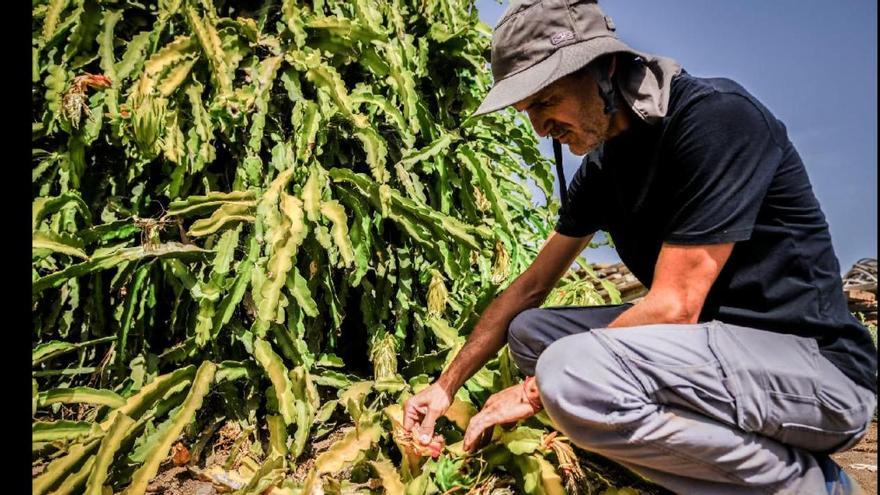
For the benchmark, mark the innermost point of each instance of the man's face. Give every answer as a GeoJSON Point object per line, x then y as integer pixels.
{"type": "Point", "coordinates": [571, 110]}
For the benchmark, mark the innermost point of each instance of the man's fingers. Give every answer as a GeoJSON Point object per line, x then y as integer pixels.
{"type": "Point", "coordinates": [421, 412]}
{"type": "Point", "coordinates": [479, 425]}
{"type": "Point", "coordinates": [408, 419]}
{"type": "Point", "coordinates": [412, 413]}
{"type": "Point", "coordinates": [474, 434]}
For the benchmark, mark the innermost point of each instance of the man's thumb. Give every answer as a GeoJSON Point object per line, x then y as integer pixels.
{"type": "Point", "coordinates": [426, 430]}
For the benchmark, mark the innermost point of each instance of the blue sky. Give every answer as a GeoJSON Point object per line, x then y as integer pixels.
{"type": "Point", "coordinates": [813, 64]}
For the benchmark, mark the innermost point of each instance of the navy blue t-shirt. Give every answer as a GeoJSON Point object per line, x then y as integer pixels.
{"type": "Point", "coordinates": [720, 168]}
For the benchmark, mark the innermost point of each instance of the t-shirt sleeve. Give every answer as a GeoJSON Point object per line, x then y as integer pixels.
{"type": "Point", "coordinates": [724, 157]}
{"type": "Point", "coordinates": [580, 216]}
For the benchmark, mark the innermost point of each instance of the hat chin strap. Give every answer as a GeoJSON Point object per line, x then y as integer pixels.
{"type": "Point", "coordinates": [560, 174]}
{"type": "Point", "coordinates": [608, 94]}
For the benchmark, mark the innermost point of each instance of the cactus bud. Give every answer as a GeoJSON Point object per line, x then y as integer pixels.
{"type": "Point", "coordinates": [474, 257]}
{"type": "Point", "coordinates": [501, 265]}
{"type": "Point", "coordinates": [384, 357]}
{"type": "Point", "coordinates": [437, 294]}
{"type": "Point", "coordinates": [148, 123]}
{"type": "Point", "coordinates": [481, 201]}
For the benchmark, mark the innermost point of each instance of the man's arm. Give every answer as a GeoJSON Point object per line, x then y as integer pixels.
{"type": "Point", "coordinates": [490, 332]}
{"type": "Point", "coordinates": [683, 276]}
{"type": "Point", "coordinates": [528, 291]}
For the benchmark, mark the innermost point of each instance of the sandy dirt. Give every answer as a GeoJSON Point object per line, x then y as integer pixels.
{"type": "Point", "coordinates": [177, 480]}
{"type": "Point", "coordinates": [861, 461]}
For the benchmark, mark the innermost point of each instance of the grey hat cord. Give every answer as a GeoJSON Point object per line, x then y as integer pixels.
{"type": "Point", "coordinates": [607, 92]}
{"type": "Point", "coordinates": [560, 174]}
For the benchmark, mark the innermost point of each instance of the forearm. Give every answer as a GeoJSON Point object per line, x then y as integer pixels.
{"type": "Point", "coordinates": [655, 309]}
{"type": "Point", "coordinates": [490, 332]}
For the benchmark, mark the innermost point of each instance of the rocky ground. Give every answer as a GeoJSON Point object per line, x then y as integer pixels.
{"type": "Point", "coordinates": [223, 462]}
{"type": "Point", "coordinates": [860, 462]}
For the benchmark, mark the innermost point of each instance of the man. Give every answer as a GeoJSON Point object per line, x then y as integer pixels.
{"type": "Point", "coordinates": [742, 368]}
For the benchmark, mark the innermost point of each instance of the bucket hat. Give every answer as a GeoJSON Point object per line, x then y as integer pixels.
{"type": "Point", "coordinates": [535, 43]}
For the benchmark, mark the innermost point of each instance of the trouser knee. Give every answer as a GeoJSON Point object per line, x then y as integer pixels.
{"type": "Point", "coordinates": [584, 388]}
{"type": "Point", "coordinates": [524, 340]}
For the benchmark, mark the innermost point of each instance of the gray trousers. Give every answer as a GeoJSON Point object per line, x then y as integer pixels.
{"type": "Point", "coordinates": [709, 408]}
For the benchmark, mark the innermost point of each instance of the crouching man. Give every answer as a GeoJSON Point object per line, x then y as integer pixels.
{"type": "Point", "coordinates": [742, 369]}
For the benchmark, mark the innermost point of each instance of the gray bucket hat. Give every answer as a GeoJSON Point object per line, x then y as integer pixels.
{"type": "Point", "coordinates": [537, 42]}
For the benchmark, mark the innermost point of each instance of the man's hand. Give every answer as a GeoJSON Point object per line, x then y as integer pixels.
{"type": "Point", "coordinates": [488, 336]}
{"type": "Point", "coordinates": [507, 406]}
{"type": "Point", "coordinates": [420, 412]}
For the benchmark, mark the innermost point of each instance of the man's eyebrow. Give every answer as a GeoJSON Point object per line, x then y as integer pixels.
{"type": "Point", "coordinates": [542, 94]}
{"type": "Point", "coordinates": [524, 104]}
{"type": "Point", "coordinates": [530, 101]}
{"type": "Point", "coordinates": [537, 97]}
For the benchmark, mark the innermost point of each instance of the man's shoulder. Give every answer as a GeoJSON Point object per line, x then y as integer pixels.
{"type": "Point", "coordinates": [707, 84]}
{"type": "Point", "coordinates": [688, 91]}
{"type": "Point", "coordinates": [699, 101]}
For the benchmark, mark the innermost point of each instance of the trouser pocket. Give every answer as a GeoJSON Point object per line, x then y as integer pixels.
{"type": "Point", "coordinates": [811, 425]}
{"type": "Point", "coordinates": [844, 409]}
{"type": "Point", "coordinates": [784, 389]}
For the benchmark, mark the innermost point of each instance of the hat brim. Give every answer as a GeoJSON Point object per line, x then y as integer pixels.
{"type": "Point", "coordinates": [561, 63]}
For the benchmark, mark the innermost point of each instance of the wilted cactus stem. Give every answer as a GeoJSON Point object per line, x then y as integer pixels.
{"type": "Point", "coordinates": [74, 102]}
{"type": "Point", "coordinates": [572, 475]}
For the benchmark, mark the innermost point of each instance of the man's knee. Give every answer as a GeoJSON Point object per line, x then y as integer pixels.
{"type": "Point", "coordinates": [523, 339]}
{"type": "Point", "coordinates": [582, 384]}
{"type": "Point", "coordinates": [521, 328]}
